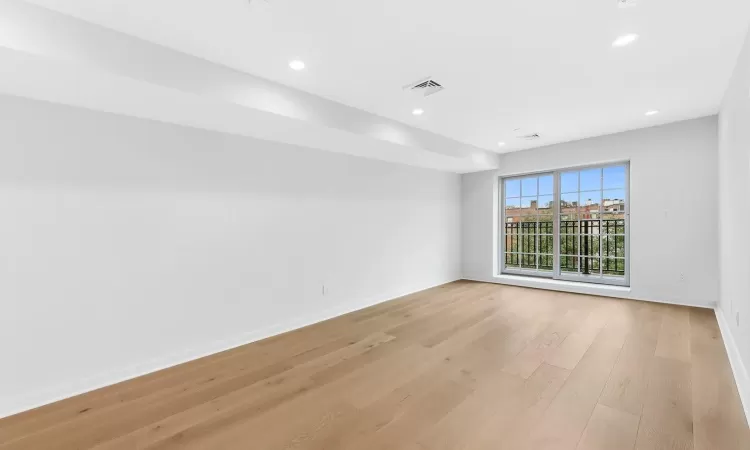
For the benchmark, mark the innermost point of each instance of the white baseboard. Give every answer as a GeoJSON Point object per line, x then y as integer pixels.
{"type": "Point", "coordinates": [9, 407]}
{"type": "Point", "coordinates": [575, 287]}
{"type": "Point", "coordinates": [735, 360]}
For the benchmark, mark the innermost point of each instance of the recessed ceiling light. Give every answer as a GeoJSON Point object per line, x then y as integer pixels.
{"type": "Point", "coordinates": [418, 112]}
{"type": "Point", "coordinates": [501, 144]}
{"type": "Point", "coordinates": [297, 64]}
{"type": "Point", "coordinates": [653, 112]}
{"type": "Point", "coordinates": [624, 40]}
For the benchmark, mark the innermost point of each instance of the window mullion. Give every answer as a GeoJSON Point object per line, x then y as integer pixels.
{"type": "Point", "coordinates": [537, 227]}
{"type": "Point", "coordinates": [601, 222]}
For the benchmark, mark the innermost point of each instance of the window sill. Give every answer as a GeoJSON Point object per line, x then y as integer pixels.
{"type": "Point", "coordinates": [565, 286]}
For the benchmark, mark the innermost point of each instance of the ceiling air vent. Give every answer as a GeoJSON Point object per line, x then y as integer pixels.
{"type": "Point", "coordinates": [424, 87]}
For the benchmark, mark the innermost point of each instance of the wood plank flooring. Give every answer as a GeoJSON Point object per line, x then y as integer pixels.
{"type": "Point", "coordinates": [462, 366]}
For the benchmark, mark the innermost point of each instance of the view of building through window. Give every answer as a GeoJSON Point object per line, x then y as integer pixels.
{"type": "Point", "coordinates": [584, 235]}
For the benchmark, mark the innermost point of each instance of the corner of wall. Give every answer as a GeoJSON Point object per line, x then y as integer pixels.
{"type": "Point", "coordinates": [741, 377]}
{"type": "Point", "coordinates": [734, 171]}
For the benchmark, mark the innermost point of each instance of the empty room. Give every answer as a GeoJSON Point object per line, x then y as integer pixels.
{"type": "Point", "coordinates": [374, 225]}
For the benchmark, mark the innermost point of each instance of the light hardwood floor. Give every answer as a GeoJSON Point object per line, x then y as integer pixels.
{"type": "Point", "coordinates": [461, 366]}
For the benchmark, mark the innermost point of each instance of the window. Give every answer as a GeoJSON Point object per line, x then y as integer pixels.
{"type": "Point", "coordinates": [570, 224]}
{"type": "Point", "coordinates": [529, 229]}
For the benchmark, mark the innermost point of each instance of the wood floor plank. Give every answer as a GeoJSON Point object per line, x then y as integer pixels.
{"type": "Point", "coordinates": [247, 402]}
{"type": "Point", "coordinates": [120, 418]}
{"type": "Point", "coordinates": [563, 423]}
{"type": "Point", "coordinates": [303, 418]}
{"type": "Point", "coordinates": [391, 406]}
{"type": "Point", "coordinates": [571, 350]}
{"type": "Point", "coordinates": [448, 332]}
{"type": "Point", "coordinates": [412, 301]}
{"type": "Point", "coordinates": [513, 423]}
{"type": "Point", "coordinates": [430, 410]}
{"type": "Point", "coordinates": [467, 365]}
{"type": "Point", "coordinates": [674, 335]}
{"type": "Point", "coordinates": [627, 388]}
{"type": "Point", "coordinates": [609, 429]}
{"type": "Point", "coordinates": [718, 421]}
{"type": "Point", "coordinates": [667, 419]}
{"type": "Point", "coordinates": [541, 348]}
{"type": "Point", "coordinates": [485, 404]}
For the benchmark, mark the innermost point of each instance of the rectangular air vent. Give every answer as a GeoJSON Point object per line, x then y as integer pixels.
{"type": "Point", "coordinates": [424, 87]}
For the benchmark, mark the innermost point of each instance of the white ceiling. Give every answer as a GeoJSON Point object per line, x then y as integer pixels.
{"type": "Point", "coordinates": [544, 66]}
{"type": "Point", "coordinates": [46, 55]}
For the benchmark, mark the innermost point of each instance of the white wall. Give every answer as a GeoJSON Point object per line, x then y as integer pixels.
{"type": "Point", "coordinates": [129, 245]}
{"type": "Point", "coordinates": [673, 192]}
{"type": "Point", "coordinates": [734, 201]}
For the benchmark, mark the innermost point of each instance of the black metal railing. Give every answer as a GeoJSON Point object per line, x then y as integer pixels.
{"type": "Point", "coordinates": [586, 246]}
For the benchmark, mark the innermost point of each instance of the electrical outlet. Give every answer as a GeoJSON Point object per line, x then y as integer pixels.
{"type": "Point", "coordinates": [682, 277]}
